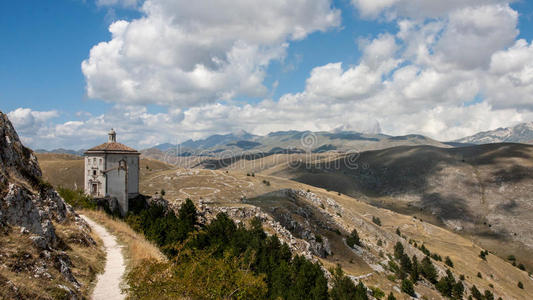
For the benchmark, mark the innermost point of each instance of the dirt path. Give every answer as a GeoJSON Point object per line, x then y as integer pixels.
{"type": "Point", "coordinates": [108, 284]}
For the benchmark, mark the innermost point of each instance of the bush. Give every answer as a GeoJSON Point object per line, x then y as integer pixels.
{"type": "Point", "coordinates": [479, 275]}
{"type": "Point", "coordinates": [391, 296]}
{"type": "Point", "coordinates": [511, 257]}
{"type": "Point", "coordinates": [376, 220]}
{"type": "Point", "coordinates": [448, 261]}
{"type": "Point", "coordinates": [483, 254]}
{"type": "Point", "coordinates": [398, 232]}
{"type": "Point", "coordinates": [77, 198]}
{"type": "Point", "coordinates": [522, 267]}
{"type": "Point", "coordinates": [377, 292]}
{"type": "Point", "coordinates": [353, 239]}
{"type": "Point", "coordinates": [520, 285]}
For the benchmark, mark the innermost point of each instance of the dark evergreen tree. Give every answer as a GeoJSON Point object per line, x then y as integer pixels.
{"type": "Point", "coordinates": [408, 288]}
{"type": "Point", "coordinates": [428, 270]}
{"type": "Point", "coordinates": [415, 270]}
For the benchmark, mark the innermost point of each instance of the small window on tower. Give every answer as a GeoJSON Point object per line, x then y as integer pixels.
{"type": "Point", "coordinates": [94, 172]}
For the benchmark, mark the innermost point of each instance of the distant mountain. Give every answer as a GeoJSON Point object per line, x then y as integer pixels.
{"type": "Point", "coordinates": [521, 133]}
{"type": "Point", "coordinates": [62, 151]}
{"type": "Point", "coordinates": [165, 146]}
{"type": "Point", "coordinates": [288, 142]}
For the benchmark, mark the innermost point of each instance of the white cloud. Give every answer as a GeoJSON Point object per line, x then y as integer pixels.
{"type": "Point", "coordinates": [184, 53]}
{"type": "Point", "coordinates": [27, 121]}
{"type": "Point", "coordinates": [452, 69]}
{"type": "Point", "coordinates": [416, 9]}
{"type": "Point", "coordinates": [122, 3]}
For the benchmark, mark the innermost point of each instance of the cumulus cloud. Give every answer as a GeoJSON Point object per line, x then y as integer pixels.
{"type": "Point", "coordinates": [416, 9]}
{"type": "Point", "coordinates": [184, 53]}
{"type": "Point", "coordinates": [121, 3]}
{"type": "Point", "coordinates": [453, 68]}
{"type": "Point", "coordinates": [27, 120]}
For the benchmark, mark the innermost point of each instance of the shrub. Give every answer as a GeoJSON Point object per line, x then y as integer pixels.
{"type": "Point", "coordinates": [77, 198]}
{"type": "Point", "coordinates": [483, 254]}
{"type": "Point", "coordinates": [522, 267]}
{"type": "Point", "coordinates": [520, 285]}
{"type": "Point", "coordinates": [377, 292]}
{"type": "Point", "coordinates": [511, 257]}
{"type": "Point", "coordinates": [376, 220]}
{"type": "Point", "coordinates": [479, 275]}
{"type": "Point", "coordinates": [163, 192]}
{"type": "Point", "coordinates": [391, 296]}
{"type": "Point", "coordinates": [380, 243]}
{"type": "Point", "coordinates": [398, 232]}
{"type": "Point", "coordinates": [353, 239]}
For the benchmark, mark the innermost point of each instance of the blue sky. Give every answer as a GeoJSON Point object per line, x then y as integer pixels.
{"type": "Point", "coordinates": [44, 43]}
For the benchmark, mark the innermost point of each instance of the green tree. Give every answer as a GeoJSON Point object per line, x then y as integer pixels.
{"type": "Point", "coordinates": [428, 270]}
{"type": "Point", "coordinates": [448, 261]}
{"type": "Point", "coordinates": [458, 290]}
{"type": "Point", "coordinates": [476, 293]}
{"type": "Point", "coordinates": [408, 288]}
{"type": "Point", "coordinates": [489, 295]}
{"type": "Point", "coordinates": [344, 288]}
{"type": "Point", "coordinates": [415, 270]}
{"type": "Point", "coordinates": [398, 250]}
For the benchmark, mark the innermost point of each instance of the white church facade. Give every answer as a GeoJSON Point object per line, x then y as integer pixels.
{"type": "Point", "coordinates": [112, 171]}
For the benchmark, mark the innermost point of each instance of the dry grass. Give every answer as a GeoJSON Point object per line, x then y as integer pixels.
{"type": "Point", "coordinates": [137, 248]}
{"type": "Point", "coordinates": [20, 262]}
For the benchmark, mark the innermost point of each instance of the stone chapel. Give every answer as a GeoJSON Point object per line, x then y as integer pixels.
{"type": "Point", "coordinates": [112, 171]}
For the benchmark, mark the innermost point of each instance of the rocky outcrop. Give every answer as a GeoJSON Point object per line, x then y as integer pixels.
{"type": "Point", "coordinates": [34, 206]}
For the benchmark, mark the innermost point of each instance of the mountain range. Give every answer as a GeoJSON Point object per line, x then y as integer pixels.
{"type": "Point", "coordinates": [521, 133]}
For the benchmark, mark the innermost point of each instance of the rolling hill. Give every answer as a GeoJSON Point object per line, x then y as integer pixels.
{"type": "Point", "coordinates": [315, 221]}
{"type": "Point", "coordinates": [480, 191]}
{"type": "Point", "coordinates": [285, 142]}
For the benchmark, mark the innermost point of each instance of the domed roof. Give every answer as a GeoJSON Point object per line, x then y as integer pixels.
{"type": "Point", "coordinates": [111, 146]}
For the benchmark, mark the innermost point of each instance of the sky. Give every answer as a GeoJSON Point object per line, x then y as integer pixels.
{"type": "Point", "coordinates": [163, 71]}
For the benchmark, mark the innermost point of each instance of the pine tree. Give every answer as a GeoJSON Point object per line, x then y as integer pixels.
{"type": "Point", "coordinates": [407, 287]}
{"type": "Point", "coordinates": [415, 269]}
{"type": "Point", "coordinates": [428, 270]}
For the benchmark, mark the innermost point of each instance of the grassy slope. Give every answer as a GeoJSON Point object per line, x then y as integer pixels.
{"type": "Point", "coordinates": [20, 259]}
{"type": "Point", "coordinates": [231, 186]}
{"type": "Point", "coordinates": [136, 249]}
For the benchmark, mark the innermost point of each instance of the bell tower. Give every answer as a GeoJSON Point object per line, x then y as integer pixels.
{"type": "Point", "coordinates": [112, 136]}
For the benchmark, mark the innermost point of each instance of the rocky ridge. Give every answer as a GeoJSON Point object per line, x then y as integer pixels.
{"type": "Point", "coordinates": [32, 207]}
